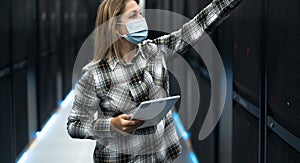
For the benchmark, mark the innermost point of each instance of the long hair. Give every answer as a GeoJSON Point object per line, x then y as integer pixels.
{"type": "Point", "coordinates": [106, 26]}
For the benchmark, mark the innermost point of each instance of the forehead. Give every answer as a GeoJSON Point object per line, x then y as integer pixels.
{"type": "Point", "coordinates": [131, 6]}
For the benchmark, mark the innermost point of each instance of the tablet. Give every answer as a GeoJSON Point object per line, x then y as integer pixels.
{"type": "Point", "coordinates": [153, 111]}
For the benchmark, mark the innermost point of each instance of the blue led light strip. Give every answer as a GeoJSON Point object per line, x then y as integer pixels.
{"type": "Point", "coordinates": [185, 135]}
{"type": "Point", "coordinates": [38, 135]}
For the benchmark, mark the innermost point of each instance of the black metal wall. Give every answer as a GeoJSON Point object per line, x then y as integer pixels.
{"type": "Point", "coordinates": [38, 44]}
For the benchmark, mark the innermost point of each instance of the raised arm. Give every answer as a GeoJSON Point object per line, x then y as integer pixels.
{"type": "Point", "coordinates": [81, 123]}
{"type": "Point", "coordinates": [204, 22]}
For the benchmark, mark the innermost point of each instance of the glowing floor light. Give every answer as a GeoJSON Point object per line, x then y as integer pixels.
{"type": "Point", "coordinates": [38, 135]}
{"type": "Point", "coordinates": [67, 101]}
{"type": "Point", "coordinates": [193, 157]}
{"type": "Point", "coordinates": [179, 126]}
{"type": "Point", "coordinates": [23, 157]}
{"type": "Point", "coordinates": [46, 127]}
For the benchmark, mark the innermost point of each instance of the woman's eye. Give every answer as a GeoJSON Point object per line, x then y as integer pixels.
{"type": "Point", "coordinates": [133, 16]}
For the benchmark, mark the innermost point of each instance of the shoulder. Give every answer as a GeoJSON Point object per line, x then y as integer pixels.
{"type": "Point", "coordinates": [87, 74]}
{"type": "Point", "coordinates": [149, 47]}
{"type": "Point", "coordinates": [97, 75]}
{"type": "Point", "coordinates": [90, 67]}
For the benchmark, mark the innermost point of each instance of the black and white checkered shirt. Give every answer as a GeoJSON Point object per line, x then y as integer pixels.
{"type": "Point", "coordinates": [111, 87]}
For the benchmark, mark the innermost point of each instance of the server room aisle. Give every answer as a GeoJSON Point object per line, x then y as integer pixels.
{"type": "Point", "coordinates": [53, 144]}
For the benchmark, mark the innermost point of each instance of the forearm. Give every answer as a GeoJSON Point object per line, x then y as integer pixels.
{"type": "Point", "coordinates": [204, 22]}
{"type": "Point", "coordinates": [207, 19]}
{"type": "Point", "coordinates": [83, 126]}
{"type": "Point", "coordinates": [214, 14]}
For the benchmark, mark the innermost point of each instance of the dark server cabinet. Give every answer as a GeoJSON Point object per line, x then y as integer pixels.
{"type": "Point", "coordinates": [82, 24]}
{"type": "Point", "coordinates": [49, 30]}
{"type": "Point", "coordinates": [4, 33]}
{"type": "Point", "coordinates": [6, 120]}
{"type": "Point", "coordinates": [247, 33]}
{"type": "Point", "coordinates": [205, 150]}
{"type": "Point", "coordinates": [279, 151]}
{"type": "Point", "coordinates": [245, 136]}
{"type": "Point", "coordinates": [20, 109]}
{"type": "Point", "coordinates": [78, 20]}
{"type": "Point", "coordinates": [19, 32]}
{"type": "Point", "coordinates": [54, 27]}
{"type": "Point", "coordinates": [247, 50]}
{"type": "Point", "coordinates": [43, 17]}
{"type": "Point", "coordinates": [47, 89]}
{"type": "Point", "coordinates": [68, 38]}
{"type": "Point", "coordinates": [20, 40]}
{"type": "Point", "coordinates": [284, 67]}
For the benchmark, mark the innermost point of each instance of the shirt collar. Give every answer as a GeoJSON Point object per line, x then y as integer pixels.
{"type": "Point", "coordinates": [140, 51]}
{"type": "Point", "coordinates": [113, 60]}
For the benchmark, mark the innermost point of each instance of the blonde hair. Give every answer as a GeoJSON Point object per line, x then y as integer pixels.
{"type": "Point", "coordinates": [106, 26]}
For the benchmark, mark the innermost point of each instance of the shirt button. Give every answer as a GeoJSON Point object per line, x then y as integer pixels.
{"type": "Point", "coordinates": [140, 82]}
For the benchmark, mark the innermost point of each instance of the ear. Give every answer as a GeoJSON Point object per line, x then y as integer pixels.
{"type": "Point", "coordinates": [120, 31]}
{"type": "Point", "coordinates": [118, 34]}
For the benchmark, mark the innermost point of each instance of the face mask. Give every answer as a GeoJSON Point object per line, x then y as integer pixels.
{"type": "Point", "coordinates": [137, 31]}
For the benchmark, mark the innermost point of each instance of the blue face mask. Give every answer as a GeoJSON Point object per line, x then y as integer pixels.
{"type": "Point", "coordinates": [137, 31]}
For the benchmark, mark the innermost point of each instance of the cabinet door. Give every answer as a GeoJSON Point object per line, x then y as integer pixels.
{"type": "Point", "coordinates": [20, 109]}
{"type": "Point", "coordinates": [47, 88]}
{"type": "Point", "coordinates": [4, 33]}
{"type": "Point", "coordinates": [6, 121]}
{"type": "Point", "coordinates": [245, 136]}
{"type": "Point", "coordinates": [284, 67]}
{"type": "Point", "coordinates": [19, 18]}
{"type": "Point", "coordinates": [247, 50]}
{"type": "Point", "coordinates": [278, 151]}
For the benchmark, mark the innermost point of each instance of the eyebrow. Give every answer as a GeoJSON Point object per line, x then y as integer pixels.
{"type": "Point", "coordinates": [134, 11]}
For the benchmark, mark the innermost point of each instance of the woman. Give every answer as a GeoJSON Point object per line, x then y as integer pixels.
{"type": "Point", "coordinates": [126, 70]}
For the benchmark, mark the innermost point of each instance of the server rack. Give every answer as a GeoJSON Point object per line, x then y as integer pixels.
{"type": "Point", "coordinates": [6, 123]}
{"type": "Point", "coordinates": [273, 99]}
{"type": "Point", "coordinates": [283, 92]}
{"type": "Point", "coordinates": [32, 64]}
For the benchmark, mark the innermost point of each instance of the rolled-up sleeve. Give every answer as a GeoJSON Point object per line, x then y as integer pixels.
{"type": "Point", "coordinates": [81, 122]}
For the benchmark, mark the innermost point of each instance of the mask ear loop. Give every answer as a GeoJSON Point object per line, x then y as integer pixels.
{"type": "Point", "coordinates": [121, 35]}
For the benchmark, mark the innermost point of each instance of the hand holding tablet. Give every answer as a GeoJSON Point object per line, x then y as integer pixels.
{"type": "Point", "coordinates": [153, 111]}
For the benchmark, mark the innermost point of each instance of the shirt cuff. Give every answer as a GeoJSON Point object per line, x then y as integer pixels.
{"type": "Point", "coordinates": [101, 128]}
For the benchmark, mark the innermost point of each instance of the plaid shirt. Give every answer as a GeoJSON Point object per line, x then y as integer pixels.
{"type": "Point", "coordinates": [110, 87]}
